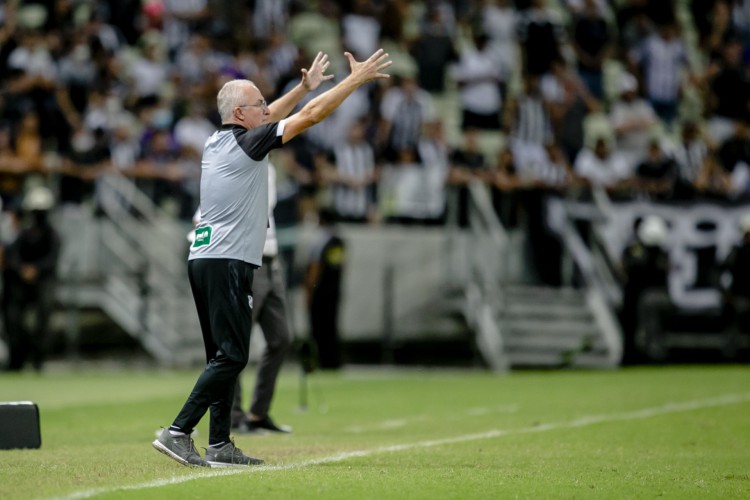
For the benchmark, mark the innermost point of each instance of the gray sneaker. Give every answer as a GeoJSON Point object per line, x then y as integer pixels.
{"type": "Point", "coordinates": [228, 456]}
{"type": "Point", "coordinates": [179, 448]}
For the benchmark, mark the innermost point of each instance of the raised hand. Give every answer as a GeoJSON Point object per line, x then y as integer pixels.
{"type": "Point", "coordinates": [313, 77]}
{"type": "Point", "coordinates": [371, 68]}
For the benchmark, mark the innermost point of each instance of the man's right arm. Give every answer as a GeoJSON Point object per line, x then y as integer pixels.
{"type": "Point", "coordinates": [323, 105]}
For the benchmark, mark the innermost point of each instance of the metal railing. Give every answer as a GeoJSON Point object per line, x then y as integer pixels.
{"type": "Point", "coordinates": [603, 291]}
{"type": "Point", "coordinates": [486, 269]}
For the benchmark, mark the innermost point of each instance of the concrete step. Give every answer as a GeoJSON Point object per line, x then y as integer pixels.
{"type": "Point", "coordinates": [525, 359]}
{"type": "Point", "coordinates": [553, 343]}
{"type": "Point", "coordinates": [535, 327]}
{"type": "Point", "coordinates": [551, 310]}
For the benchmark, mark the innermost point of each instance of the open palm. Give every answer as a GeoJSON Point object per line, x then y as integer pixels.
{"type": "Point", "coordinates": [313, 77]}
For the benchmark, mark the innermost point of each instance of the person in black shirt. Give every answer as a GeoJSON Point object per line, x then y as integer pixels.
{"type": "Point", "coordinates": [655, 176]}
{"type": "Point", "coordinates": [323, 291]}
{"type": "Point", "coordinates": [29, 279]}
{"type": "Point", "coordinates": [645, 264]}
{"type": "Point", "coordinates": [736, 291]}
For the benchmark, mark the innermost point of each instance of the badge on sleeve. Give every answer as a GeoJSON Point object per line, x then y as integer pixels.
{"type": "Point", "coordinates": [202, 236]}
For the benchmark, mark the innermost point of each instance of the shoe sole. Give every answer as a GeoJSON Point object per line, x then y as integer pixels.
{"type": "Point", "coordinates": [262, 431]}
{"type": "Point", "coordinates": [163, 449]}
{"type": "Point", "coordinates": [224, 465]}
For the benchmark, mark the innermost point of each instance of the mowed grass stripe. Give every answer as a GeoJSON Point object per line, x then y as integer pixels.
{"type": "Point", "coordinates": [585, 421]}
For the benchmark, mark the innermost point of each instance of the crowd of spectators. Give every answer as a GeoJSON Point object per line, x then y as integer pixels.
{"type": "Point", "coordinates": [129, 85]}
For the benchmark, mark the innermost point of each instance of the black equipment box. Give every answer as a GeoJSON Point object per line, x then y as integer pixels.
{"type": "Point", "coordinates": [19, 425]}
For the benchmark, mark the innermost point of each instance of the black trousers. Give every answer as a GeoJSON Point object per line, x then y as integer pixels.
{"type": "Point", "coordinates": [222, 289]}
{"type": "Point", "coordinates": [269, 311]}
{"type": "Point", "coordinates": [21, 300]}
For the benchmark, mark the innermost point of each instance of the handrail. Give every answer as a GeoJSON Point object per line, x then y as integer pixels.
{"type": "Point", "coordinates": [603, 291]}
{"type": "Point", "coordinates": [487, 275]}
{"type": "Point", "coordinates": [151, 237]}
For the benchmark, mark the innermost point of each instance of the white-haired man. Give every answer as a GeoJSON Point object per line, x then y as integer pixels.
{"type": "Point", "coordinates": [229, 241]}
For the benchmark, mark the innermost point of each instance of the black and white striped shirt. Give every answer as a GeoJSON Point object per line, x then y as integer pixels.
{"type": "Point", "coordinates": [357, 162]}
{"type": "Point", "coordinates": [532, 122]}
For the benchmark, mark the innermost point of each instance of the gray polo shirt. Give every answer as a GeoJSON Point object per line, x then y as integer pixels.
{"type": "Point", "coordinates": [234, 193]}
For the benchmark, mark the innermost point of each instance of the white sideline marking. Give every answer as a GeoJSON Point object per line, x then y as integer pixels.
{"type": "Point", "coordinates": [403, 422]}
{"type": "Point", "coordinates": [727, 399]}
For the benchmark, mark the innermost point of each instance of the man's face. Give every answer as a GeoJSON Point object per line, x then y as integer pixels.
{"type": "Point", "coordinates": [253, 110]}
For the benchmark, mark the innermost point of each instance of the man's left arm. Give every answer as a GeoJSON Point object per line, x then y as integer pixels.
{"type": "Point", "coordinates": [311, 80]}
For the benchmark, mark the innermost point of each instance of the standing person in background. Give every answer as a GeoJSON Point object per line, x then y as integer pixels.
{"type": "Point", "coordinates": [735, 282]}
{"type": "Point", "coordinates": [645, 299]}
{"type": "Point", "coordinates": [323, 291]}
{"type": "Point", "coordinates": [29, 281]}
{"type": "Point", "coordinates": [269, 311]}
{"type": "Point", "coordinates": [230, 237]}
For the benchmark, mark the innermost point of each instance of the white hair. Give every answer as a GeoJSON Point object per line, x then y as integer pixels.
{"type": "Point", "coordinates": [229, 96]}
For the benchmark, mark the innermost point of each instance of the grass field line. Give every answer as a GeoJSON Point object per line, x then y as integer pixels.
{"type": "Point", "coordinates": [397, 423]}
{"type": "Point", "coordinates": [585, 421]}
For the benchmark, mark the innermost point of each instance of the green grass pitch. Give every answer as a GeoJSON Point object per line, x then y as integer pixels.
{"type": "Point", "coordinates": [669, 432]}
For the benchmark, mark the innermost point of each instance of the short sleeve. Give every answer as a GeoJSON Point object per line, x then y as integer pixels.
{"type": "Point", "coordinates": [258, 142]}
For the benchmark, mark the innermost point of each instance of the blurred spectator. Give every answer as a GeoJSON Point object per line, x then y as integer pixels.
{"type": "Point", "coordinates": [356, 174]}
{"type": "Point", "coordinates": [181, 18]}
{"type": "Point", "coordinates": [29, 279]}
{"type": "Point", "coordinates": [633, 25]}
{"type": "Point", "coordinates": [735, 280]}
{"type": "Point", "coordinates": [77, 75]}
{"type": "Point", "coordinates": [29, 142]}
{"type": "Point", "coordinates": [690, 154]}
{"type": "Point", "coordinates": [741, 20]}
{"type": "Point", "coordinates": [527, 120]}
{"type": "Point", "coordinates": [101, 111]}
{"type": "Point", "coordinates": [434, 154]}
{"type": "Point", "coordinates": [479, 79]}
{"type": "Point", "coordinates": [645, 301]}
{"type": "Point", "coordinates": [728, 91]}
{"type": "Point", "coordinates": [31, 81]}
{"type": "Point", "coordinates": [124, 15]}
{"type": "Point", "coordinates": [124, 146]}
{"type": "Point", "coordinates": [198, 63]}
{"type": "Point", "coordinates": [323, 291]}
{"type": "Point", "coordinates": [433, 51]}
{"type": "Point", "coordinates": [467, 164]}
{"type": "Point", "coordinates": [598, 166]}
{"type": "Point", "coordinates": [269, 16]}
{"type": "Point", "coordinates": [148, 71]}
{"type": "Point", "coordinates": [12, 171]}
{"type": "Point", "coordinates": [499, 20]}
{"type": "Point", "coordinates": [88, 156]}
{"type": "Point", "coordinates": [410, 190]}
{"type": "Point", "coordinates": [655, 175]}
{"type": "Point", "coordinates": [160, 172]}
{"type": "Point", "coordinates": [570, 103]}
{"type": "Point", "coordinates": [545, 177]}
{"type": "Point", "coordinates": [714, 25]}
{"type": "Point", "coordinates": [701, 13]}
{"type": "Point", "coordinates": [192, 130]}
{"type": "Point", "coordinates": [404, 108]}
{"type": "Point", "coordinates": [591, 39]}
{"type": "Point", "coordinates": [393, 17]}
{"type": "Point", "coordinates": [360, 29]}
{"type": "Point", "coordinates": [504, 182]}
{"type": "Point", "coordinates": [633, 121]}
{"type": "Point", "coordinates": [661, 59]}
{"type": "Point", "coordinates": [541, 36]}
{"type": "Point", "coordinates": [283, 60]}
{"type": "Point", "coordinates": [734, 155]}
{"type": "Point", "coordinates": [713, 181]}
